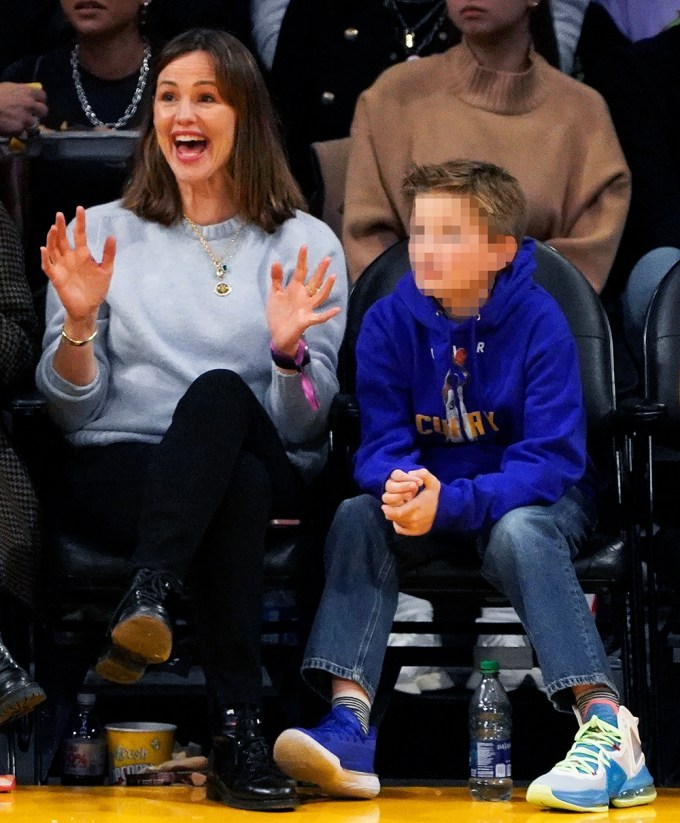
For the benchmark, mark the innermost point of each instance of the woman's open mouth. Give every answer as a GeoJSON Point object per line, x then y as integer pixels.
{"type": "Point", "coordinates": [189, 146]}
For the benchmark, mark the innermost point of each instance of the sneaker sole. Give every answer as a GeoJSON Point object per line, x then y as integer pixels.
{"type": "Point", "coordinates": [543, 796]}
{"type": "Point", "coordinates": [145, 637]}
{"type": "Point", "coordinates": [117, 666]}
{"type": "Point", "coordinates": [21, 702]}
{"type": "Point", "coordinates": [215, 792]}
{"type": "Point", "coordinates": [299, 756]}
{"type": "Point", "coordinates": [638, 797]}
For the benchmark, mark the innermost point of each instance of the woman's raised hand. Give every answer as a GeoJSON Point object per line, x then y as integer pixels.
{"type": "Point", "coordinates": [292, 308]}
{"type": "Point", "coordinates": [79, 280]}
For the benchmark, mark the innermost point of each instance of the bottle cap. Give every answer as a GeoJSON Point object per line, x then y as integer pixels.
{"type": "Point", "coordinates": [489, 667]}
{"type": "Point", "coordinates": [86, 699]}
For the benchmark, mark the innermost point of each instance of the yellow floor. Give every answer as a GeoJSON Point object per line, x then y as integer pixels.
{"type": "Point", "coordinates": [57, 804]}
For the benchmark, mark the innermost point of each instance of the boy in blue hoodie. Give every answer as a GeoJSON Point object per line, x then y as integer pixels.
{"type": "Point", "coordinates": [472, 423]}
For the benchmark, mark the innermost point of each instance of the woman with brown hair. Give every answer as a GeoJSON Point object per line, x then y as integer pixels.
{"type": "Point", "coordinates": [192, 370]}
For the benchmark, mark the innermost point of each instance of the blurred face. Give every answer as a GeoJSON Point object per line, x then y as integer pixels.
{"type": "Point", "coordinates": [195, 126]}
{"type": "Point", "coordinates": [96, 17]}
{"type": "Point", "coordinates": [482, 19]}
{"type": "Point", "coordinates": [451, 254]}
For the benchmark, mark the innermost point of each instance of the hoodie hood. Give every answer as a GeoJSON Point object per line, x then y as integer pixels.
{"type": "Point", "coordinates": [509, 291]}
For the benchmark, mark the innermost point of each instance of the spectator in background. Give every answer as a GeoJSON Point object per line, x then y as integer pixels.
{"type": "Point", "coordinates": [37, 26]}
{"type": "Point", "coordinates": [637, 20]}
{"type": "Point", "coordinates": [650, 141]}
{"type": "Point", "coordinates": [20, 542]}
{"type": "Point", "coordinates": [98, 81]}
{"type": "Point", "coordinates": [328, 51]}
{"type": "Point", "coordinates": [641, 83]}
{"type": "Point", "coordinates": [567, 21]}
{"type": "Point", "coordinates": [491, 98]}
{"type": "Point", "coordinates": [21, 108]}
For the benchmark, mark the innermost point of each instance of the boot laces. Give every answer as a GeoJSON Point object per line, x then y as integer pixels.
{"type": "Point", "coordinates": [152, 589]}
{"type": "Point", "coordinates": [253, 745]}
{"type": "Point", "coordinates": [595, 742]}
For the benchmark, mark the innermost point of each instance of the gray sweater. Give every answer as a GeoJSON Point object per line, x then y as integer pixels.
{"type": "Point", "coordinates": [162, 325]}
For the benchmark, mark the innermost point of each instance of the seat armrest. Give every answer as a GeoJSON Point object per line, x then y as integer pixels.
{"type": "Point", "coordinates": [26, 403]}
{"type": "Point", "coordinates": [344, 405]}
{"type": "Point", "coordinates": [637, 415]}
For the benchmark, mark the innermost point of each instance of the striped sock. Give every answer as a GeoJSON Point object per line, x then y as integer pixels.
{"type": "Point", "coordinates": [359, 707]}
{"type": "Point", "coordinates": [588, 701]}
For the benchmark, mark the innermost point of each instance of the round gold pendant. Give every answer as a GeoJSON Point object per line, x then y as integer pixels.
{"type": "Point", "coordinates": [222, 288]}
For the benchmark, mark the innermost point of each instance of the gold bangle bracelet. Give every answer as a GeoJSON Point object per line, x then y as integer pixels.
{"type": "Point", "coordinates": [79, 342]}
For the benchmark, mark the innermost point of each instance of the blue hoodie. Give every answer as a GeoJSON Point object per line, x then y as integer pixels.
{"type": "Point", "coordinates": [491, 405]}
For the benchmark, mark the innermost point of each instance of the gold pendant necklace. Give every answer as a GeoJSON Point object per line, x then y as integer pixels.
{"type": "Point", "coordinates": [221, 265]}
{"type": "Point", "coordinates": [420, 33]}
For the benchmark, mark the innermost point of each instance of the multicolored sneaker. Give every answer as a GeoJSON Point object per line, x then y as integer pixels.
{"type": "Point", "coordinates": [336, 756]}
{"type": "Point", "coordinates": [604, 766]}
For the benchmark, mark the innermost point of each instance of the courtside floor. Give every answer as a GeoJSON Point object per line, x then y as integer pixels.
{"type": "Point", "coordinates": [57, 804]}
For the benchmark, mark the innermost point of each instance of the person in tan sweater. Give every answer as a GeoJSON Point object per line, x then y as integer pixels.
{"type": "Point", "coordinates": [490, 98]}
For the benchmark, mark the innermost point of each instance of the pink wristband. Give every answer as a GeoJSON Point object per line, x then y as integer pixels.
{"type": "Point", "coordinates": [301, 359]}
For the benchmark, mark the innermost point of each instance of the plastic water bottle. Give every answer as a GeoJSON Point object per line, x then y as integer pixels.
{"type": "Point", "coordinates": [490, 731]}
{"type": "Point", "coordinates": [84, 747]}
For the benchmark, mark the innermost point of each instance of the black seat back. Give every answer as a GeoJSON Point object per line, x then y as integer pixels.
{"type": "Point", "coordinates": [661, 348]}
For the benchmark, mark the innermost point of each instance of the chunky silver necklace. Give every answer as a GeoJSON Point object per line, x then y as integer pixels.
{"type": "Point", "coordinates": [136, 97]}
{"type": "Point", "coordinates": [220, 264]}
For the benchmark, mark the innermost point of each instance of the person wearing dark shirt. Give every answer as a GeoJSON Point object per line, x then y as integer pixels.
{"type": "Point", "coordinates": [639, 81]}
{"type": "Point", "coordinates": [19, 524]}
{"type": "Point", "coordinates": [98, 81]}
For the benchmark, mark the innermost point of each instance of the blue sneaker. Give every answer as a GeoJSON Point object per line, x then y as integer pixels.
{"type": "Point", "coordinates": [336, 756]}
{"type": "Point", "coordinates": [604, 766]}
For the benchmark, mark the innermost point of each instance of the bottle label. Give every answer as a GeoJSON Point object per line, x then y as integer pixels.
{"type": "Point", "coordinates": [84, 758]}
{"type": "Point", "coordinates": [490, 758]}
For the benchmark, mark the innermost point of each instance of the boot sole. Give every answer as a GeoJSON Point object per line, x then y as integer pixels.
{"type": "Point", "coordinates": [144, 637]}
{"type": "Point", "coordinates": [299, 756]}
{"type": "Point", "coordinates": [215, 791]}
{"type": "Point", "coordinates": [21, 702]}
{"type": "Point", "coordinates": [118, 666]}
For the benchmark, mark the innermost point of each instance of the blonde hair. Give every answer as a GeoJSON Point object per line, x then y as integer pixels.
{"type": "Point", "coordinates": [496, 191]}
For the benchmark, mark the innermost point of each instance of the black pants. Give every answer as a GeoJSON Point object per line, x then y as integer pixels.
{"type": "Point", "coordinates": [197, 505]}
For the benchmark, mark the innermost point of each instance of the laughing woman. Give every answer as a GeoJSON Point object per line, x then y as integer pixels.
{"type": "Point", "coordinates": [192, 370]}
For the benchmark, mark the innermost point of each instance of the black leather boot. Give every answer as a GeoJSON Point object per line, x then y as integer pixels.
{"type": "Point", "coordinates": [18, 694]}
{"type": "Point", "coordinates": [141, 631]}
{"type": "Point", "coordinates": [241, 772]}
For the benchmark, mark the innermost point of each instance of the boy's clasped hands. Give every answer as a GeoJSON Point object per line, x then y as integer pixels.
{"type": "Point", "coordinates": [410, 501]}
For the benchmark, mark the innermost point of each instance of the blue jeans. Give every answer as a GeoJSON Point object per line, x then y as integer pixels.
{"type": "Point", "coordinates": [527, 555]}
{"type": "Point", "coordinates": [643, 281]}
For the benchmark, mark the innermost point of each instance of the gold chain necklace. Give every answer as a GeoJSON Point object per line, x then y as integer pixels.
{"type": "Point", "coordinates": [221, 265]}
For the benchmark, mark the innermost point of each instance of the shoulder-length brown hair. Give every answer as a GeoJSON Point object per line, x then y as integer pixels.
{"type": "Point", "coordinates": [264, 188]}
